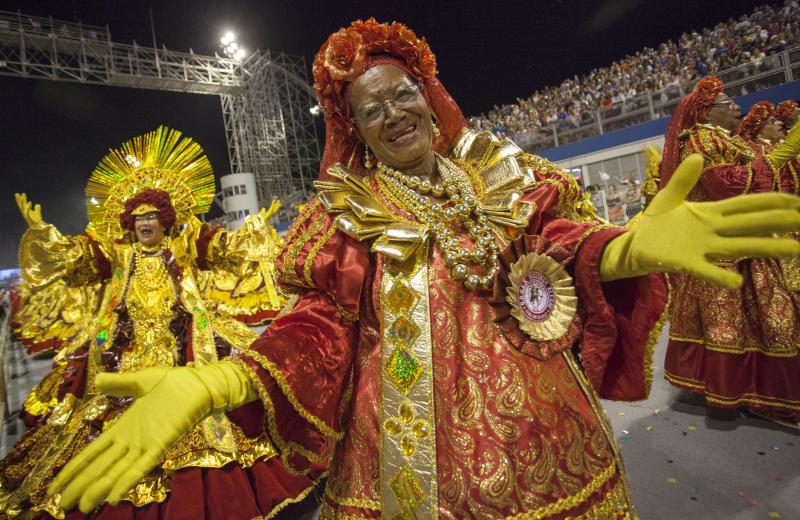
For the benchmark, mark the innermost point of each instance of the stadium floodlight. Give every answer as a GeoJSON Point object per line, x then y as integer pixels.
{"type": "Point", "coordinates": [231, 47]}
{"type": "Point", "coordinates": [227, 38]}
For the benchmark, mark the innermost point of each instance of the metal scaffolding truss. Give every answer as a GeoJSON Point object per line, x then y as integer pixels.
{"type": "Point", "coordinates": [265, 100]}
{"type": "Point", "coordinates": [270, 130]}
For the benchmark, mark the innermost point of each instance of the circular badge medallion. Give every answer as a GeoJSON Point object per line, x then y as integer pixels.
{"type": "Point", "coordinates": [536, 297]}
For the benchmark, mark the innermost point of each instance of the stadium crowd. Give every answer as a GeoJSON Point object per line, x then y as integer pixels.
{"type": "Point", "coordinates": [673, 66]}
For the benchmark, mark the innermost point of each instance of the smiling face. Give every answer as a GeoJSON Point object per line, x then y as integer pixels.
{"type": "Point", "coordinates": [724, 113]}
{"type": "Point", "coordinates": [149, 230]}
{"type": "Point", "coordinates": [393, 118]}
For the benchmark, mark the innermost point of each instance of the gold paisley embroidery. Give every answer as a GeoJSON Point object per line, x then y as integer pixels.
{"type": "Point", "coordinates": [496, 478]}
{"type": "Point", "coordinates": [467, 412]}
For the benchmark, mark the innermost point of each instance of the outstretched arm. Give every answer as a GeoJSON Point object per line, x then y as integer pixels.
{"type": "Point", "coordinates": [46, 255]}
{"type": "Point", "coordinates": [677, 236]}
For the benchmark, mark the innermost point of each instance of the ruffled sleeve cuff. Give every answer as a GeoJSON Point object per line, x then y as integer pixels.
{"type": "Point", "coordinates": [623, 321]}
{"type": "Point", "coordinates": [301, 370]}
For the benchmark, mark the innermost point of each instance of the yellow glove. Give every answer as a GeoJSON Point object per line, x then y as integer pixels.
{"type": "Point", "coordinates": [686, 237]}
{"type": "Point", "coordinates": [169, 403]}
{"type": "Point", "coordinates": [788, 149]}
{"type": "Point", "coordinates": [32, 214]}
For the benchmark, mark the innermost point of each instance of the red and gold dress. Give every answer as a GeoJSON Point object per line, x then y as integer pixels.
{"type": "Point", "coordinates": [738, 347]}
{"type": "Point", "coordinates": [415, 391]}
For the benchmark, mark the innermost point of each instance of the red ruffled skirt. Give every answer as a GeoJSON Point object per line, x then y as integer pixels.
{"type": "Point", "coordinates": [738, 347]}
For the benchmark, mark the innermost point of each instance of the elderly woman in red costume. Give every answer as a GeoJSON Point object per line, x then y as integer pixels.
{"type": "Point", "coordinates": [446, 281]}
{"type": "Point", "coordinates": [739, 347]}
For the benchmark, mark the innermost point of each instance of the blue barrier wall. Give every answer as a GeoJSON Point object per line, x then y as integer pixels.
{"type": "Point", "coordinates": [659, 126]}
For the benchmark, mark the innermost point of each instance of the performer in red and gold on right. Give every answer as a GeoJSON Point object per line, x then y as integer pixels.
{"type": "Point", "coordinates": [739, 347]}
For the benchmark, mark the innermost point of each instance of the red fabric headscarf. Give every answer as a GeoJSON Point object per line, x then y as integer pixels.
{"type": "Point", "coordinates": [692, 109]}
{"type": "Point", "coordinates": [755, 120]}
{"type": "Point", "coordinates": [351, 51]}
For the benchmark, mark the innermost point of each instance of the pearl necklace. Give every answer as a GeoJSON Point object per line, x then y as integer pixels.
{"type": "Point", "coordinates": [460, 208]}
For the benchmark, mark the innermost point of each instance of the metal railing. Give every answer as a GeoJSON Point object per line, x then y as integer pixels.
{"type": "Point", "coordinates": [772, 70]}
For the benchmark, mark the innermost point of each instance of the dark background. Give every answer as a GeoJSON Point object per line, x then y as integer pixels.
{"type": "Point", "coordinates": [53, 133]}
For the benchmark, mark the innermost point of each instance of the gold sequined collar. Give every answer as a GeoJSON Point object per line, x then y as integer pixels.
{"type": "Point", "coordinates": [491, 164]}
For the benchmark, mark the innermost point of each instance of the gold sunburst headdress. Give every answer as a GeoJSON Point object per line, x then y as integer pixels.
{"type": "Point", "coordinates": [159, 160]}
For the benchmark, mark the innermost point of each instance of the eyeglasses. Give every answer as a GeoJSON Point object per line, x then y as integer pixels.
{"type": "Point", "coordinates": [404, 98]}
{"type": "Point", "coordinates": [730, 104]}
{"type": "Point", "coordinates": [147, 217]}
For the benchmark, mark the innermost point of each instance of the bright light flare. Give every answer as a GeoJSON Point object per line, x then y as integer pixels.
{"type": "Point", "coordinates": [315, 110]}
{"type": "Point", "coordinates": [133, 161]}
{"type": "Point", "coordinates": [227, 38]}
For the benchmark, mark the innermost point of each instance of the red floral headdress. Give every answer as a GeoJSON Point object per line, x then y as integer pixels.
{"type": "Point", "coordinates": [351, 51]}
{"type": "Point", "coordinates": [784, 111]}
{"type": "Point", "coordinates": [751, 124]}
{"type": "Point", "coordinates": [692, 109]}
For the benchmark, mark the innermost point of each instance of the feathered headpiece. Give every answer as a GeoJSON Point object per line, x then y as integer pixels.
{"type": "Point", "coordinates": [752, 124]}
{"type": "Point", "coordinates": [354, 49]}
{"type": "Point", "coordinates": [160, 160]}
{"type": "Point", "coordinates": [692, 109]}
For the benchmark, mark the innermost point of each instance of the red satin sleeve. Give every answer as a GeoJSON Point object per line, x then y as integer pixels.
{"type": "Point", "coordinates": [622, 323]}
{"type": "Point", "coordinates": [302, 363]}
{"type": "Point", "coordinates": [302, 366]}
{"type": "Point", "coordinates": [736, 175]}
{"type": "Point", "coordinates": [620, 318]}
{"type": "Point", "coordinates": [318, 256]}
{"type": "Point", "coordinates": [789, 177]}
{"type": "Point", "coordinates": [726, 181]}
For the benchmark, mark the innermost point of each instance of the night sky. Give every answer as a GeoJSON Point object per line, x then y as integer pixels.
{"type": "Point", "coordinates": [53, 134]}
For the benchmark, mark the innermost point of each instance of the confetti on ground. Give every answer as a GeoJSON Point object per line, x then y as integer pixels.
{"type": "Point", "coordinates": [742, 494]}
{"type": "Point", "coordinates": [754, 503]}
{"type": "Point", "coordinates": [761, 453]}
{"type": "Point", "coordinates": [692, 427]}
{"type": "Point", "coordinates": [657, 411]}
{"type": "Point", "coordinates": [670, 461]}
{"type": "Point", "coordinates": [693, 498]}
{"type": "Point", "coordinates": [621, 414]}
{"type": "Point", "coordinates": [684, 433]}
{"type": "Point", "coordinates": [672, 480]}
{"type": "Point", "coordinates": [774, 514]}
{"type": "Point", "coordinates": [776, 478]}
{"type": "Point", "coordinates": [625, 438]}
{"type": "Point", "coordinates": [625, 432]}
{"type": "Point", "coordinates": [775, 447]}
{"type": "Point", "coordinates": [648, 428]}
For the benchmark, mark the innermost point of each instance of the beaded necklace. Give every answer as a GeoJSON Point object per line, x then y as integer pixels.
{"type": "Point", "coordinates": [459, 208]}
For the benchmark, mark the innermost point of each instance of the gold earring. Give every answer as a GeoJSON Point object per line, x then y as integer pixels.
{"type": "Point", "coordinates": [436, 131]}
{"type": "Point", "coordinates": [368, 163]}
